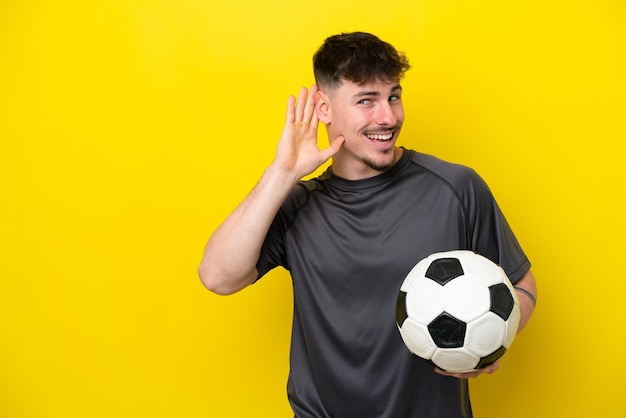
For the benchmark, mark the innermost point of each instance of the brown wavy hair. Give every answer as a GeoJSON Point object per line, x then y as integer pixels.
{"type": "Point", "coordinates": [358, 57]}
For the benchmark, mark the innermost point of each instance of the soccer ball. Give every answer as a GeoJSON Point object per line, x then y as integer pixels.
{"type": "Point", "coordinates": [458, 311]}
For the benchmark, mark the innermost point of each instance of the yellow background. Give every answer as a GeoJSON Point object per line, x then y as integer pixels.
{"type": "Point", "coordinates": [130, 129]}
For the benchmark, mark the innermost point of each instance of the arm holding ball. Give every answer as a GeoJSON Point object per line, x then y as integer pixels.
{"type": "Point", "coordinates": [526, 288]}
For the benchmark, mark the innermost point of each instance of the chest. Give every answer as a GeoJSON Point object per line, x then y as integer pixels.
{"type": "Point", "coordinates": [379, 233]}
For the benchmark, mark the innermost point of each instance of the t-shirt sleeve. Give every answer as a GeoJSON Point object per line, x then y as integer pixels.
{"type": "Point", "coordinates": [490, 233]}
{"type": "Point", "coordinates": [274, 250]}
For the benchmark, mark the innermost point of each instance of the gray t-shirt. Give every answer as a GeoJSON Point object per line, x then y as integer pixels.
{"type": "Point", "coordinates": [348, 246]}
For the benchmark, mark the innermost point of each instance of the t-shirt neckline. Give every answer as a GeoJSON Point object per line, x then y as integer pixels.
{"type": "Point", "coordinates": [376, 180]}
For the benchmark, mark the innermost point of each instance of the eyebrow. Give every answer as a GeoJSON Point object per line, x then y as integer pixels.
{"type": "Point", "coordinates": [376, 93]}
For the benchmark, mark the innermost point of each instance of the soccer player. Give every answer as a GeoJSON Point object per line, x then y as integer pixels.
{"type": "Point", "coordinates": [350, 236]}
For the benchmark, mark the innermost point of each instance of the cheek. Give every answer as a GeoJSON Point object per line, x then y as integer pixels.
{"type": "Point", "coordinates": [350, 123]}
{"type": "Point", "coordinates": [347, 124]}
{"type": "Point", "coordinates": [357, 122]}
{"type": "Point", "coordinates": [398, 112]}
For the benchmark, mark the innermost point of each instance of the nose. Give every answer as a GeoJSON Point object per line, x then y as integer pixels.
{"type": "Point", "coordinates": [386, 115]}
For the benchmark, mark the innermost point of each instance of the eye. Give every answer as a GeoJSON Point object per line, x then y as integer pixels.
{"type": "Point", "coordinates": [364, 101]}
{"type": "Point", "coordinates": [394, 98]}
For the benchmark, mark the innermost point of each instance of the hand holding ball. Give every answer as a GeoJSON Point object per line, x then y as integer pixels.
{"type": "Point", "coordinates": [457, 310]}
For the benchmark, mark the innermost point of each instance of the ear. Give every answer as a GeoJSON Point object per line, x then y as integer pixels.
{"type": "Point", "coordinates": [322, 107]}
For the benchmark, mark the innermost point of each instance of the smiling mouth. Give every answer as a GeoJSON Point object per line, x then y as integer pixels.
{"type": "Point", "coordinates": [381, 137]}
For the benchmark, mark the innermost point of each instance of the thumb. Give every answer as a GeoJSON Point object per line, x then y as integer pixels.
{"type": "Point", "coordinates": [334, 147]}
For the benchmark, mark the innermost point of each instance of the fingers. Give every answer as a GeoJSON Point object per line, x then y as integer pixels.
{"type": "Point", "coordinates": [492, 368]}
{"type": "Point", "coordinates": [309, 108]}
{"type": "Point", "coordinates": [471, 375]}
{"type": "Point", "coordinates": [305, 107]}
{"type": "Point", "coordinates": [299, 104]}
{"type": "Point", "coordinates": [290, 118]}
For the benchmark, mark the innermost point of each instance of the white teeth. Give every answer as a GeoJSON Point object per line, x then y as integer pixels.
{"type": "Point", "coordinates": [380, 137]}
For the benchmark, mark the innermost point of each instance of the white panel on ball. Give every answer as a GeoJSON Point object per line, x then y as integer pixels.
{"type": "Point", "coordinates": [465, 298]}
{"type": "Point", "coordinates": [417, 339]}
{"type": "Point", "coordinates": [485, 333]}
{"type": "Point", "coordinates": [455, 359]}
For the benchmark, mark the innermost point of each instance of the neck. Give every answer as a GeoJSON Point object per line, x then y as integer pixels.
{"type": "Point", "coordinates": [351, 167]}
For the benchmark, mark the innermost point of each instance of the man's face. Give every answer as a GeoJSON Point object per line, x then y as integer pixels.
{"type": "Point", "coordinates": [369, 117]}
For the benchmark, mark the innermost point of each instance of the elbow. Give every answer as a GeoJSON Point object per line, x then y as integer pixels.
{"type": "Point", "coordinates": [211, 280]}
{"type": "Point", "coordinates": [217, 281]}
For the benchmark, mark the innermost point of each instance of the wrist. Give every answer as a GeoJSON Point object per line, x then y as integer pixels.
{"type": "Point", "coordinates": [527, 293]}
{"type": "Point", "coordinates": [280, 176]}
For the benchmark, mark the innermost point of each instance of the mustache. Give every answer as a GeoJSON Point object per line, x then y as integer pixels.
{"type": "Point", "coordinates": [381, 129]}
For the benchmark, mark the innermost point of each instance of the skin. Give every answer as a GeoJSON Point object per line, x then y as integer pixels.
{"type": "Point", "coordinates": [369, 117]}
{"type": "Point", "coordinates": [364, 122]}
{"type": "Point", "coordinates": [230, 256]}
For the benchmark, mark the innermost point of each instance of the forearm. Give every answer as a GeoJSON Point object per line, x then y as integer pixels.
{"type": "Point", "coordinates": [231, 254]}
{"type": "Point", "coordinates": [526, 289]}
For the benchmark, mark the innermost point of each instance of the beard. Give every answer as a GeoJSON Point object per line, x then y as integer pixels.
{"type": "Point", "coordinates": [381, 167]}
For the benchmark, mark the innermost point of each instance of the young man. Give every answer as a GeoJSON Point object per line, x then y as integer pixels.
{"type": "Point", "coordinates": [350, 236]}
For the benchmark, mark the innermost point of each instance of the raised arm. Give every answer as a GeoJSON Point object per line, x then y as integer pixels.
{"type": "Point", "coordinates": [231, 254]}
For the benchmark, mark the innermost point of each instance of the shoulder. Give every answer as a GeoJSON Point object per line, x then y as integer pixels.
{"type": "Point", "coordinates": [299, 196]}
{"type": "Point", "coordinates": [303, 190]}
{"type": "Point", "coordinates": [457, 176]}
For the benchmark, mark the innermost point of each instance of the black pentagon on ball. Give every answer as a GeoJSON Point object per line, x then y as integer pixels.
{"type": "Point", "coordinates": [501, 300]}
{"type": "Point", "coordinates": [491, 358]}
{"type": "Point", "coordinates": [401, 314]}
{"type": "Point", "coordinates": [442, 270]}
{"type": "Point", "coordinates": [447, 331]}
